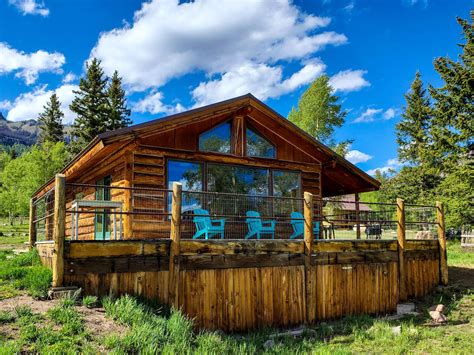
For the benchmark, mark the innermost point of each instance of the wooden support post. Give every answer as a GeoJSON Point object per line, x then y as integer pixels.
{"type": "Point", "coordinates": [32, 232]}
{"type": "Point", "coordinates": [443, 258]}
{"type": "Point", "coordinates": [238, 135]}
{"type": "Point", "coordinates": [357, 209]}
{"type": "Point", "coordinates": [59, 229]}
{"type": "Point", "coordinates": [127, 198]}
{"type": "Point", "coordinates": [175, 236]}
{"type": "Point", "coordinates": [401, 236]}
{"type": "Point", "coordinates": [308, 250]}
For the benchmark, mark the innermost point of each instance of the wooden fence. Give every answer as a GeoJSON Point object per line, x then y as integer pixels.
{"type": "Point", "coordinates": [238, 285]}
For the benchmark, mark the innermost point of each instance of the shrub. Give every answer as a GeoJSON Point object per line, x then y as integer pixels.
{"type": "Point", "coordinates": [90, 301]}
{"type": "Point", "coordinates": [6, 317]}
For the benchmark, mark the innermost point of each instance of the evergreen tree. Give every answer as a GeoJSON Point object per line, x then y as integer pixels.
{"type": "Point", "coordinates": [119, 114]}
{"type": "Point", "coordinates": [453, 125]}
{"type": "Point", "coordinates": [51, 121]}
{"type": "Point", "coordinates": [318, 111]}
{"type": "Point", "coordinates": [413, 130]}
{"type": "Point", "coordinates": [91, 106]}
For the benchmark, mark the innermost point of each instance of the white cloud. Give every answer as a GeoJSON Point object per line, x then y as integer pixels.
{"type": "Point", "coordinates": [368, 115]}
{"type": "Point", "coordinates": [392, 165]}
{"type": "Point", "coordinates": [30, 105]}
{"type": "Point", "coordinates": [28, 65]}
{"type": "Point", "coordinates": [30, 7]}
{"type": "Point", "coordinates": [169, 38]}
{"type": "Point", "coordinates": [356, 156]}
{"type": "Point", "coordinates": [69, 77]}
{"type": "Point", "coordinates": [389, 114]}
{"type": "Point", "coordinates": [349, 80]}
{"type": "Point", "coordinates": [261, 80]}
{"type": "Point", "coordinates": [5, 105]}
{"type": "Point", "coordinates": [349, 7]}
{"type": "Point", "coordinates": [153, 103]}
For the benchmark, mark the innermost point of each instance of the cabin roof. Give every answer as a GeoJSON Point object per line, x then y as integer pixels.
{"type": "Point", "coordinates": [112, 139]}
{"type": "Point", "coordinates": [348, 204]}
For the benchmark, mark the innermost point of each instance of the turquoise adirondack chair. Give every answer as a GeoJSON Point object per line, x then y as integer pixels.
{"type": "Point", "coordinates": [257, 227]}
{"type": "Point", "coordinates": [207, 227]}
{"type": "Point", "coordinates": [297, 222]}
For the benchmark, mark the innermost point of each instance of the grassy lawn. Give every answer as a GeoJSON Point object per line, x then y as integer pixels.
{"type": "Point", "coordinates": [13, 235]}
{"type": "Point", "coordinates": [128, 325]}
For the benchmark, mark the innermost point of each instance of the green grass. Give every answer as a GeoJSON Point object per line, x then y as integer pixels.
{"type": "Point", "coordinates": [23, 272]}
{"type": "Point", "coordinates": [15, 234]}
{"type": "Point", "coordinates": [459, 257]}
{"type": "Point", "coordinates": [90, 301]}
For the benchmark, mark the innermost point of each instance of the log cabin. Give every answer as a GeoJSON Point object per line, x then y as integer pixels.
{"type": "Point", "coordinates": [237, 146]}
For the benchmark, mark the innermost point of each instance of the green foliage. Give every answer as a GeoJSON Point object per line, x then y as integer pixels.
{"type": "Point", "coordinates": [98, 108]}
{"type": "Point", "coordinates": [24, 272]}
{"type": "Point", "coordinates": [6, 317]}
{"type": "Point", "coordinates": [90, 301]}
{"type": "Point", "coordinates": [51, 121]}
{"type": "Point", "coordinates": [25, 174]}
{"type": "Point", "coordinates": [318, 111]}
{"type": "Point", "coordinates": [119, 114]}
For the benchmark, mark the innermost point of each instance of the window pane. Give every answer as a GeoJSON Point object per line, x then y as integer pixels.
{"type": "Point", "coordinates": [216, 139]}
{"type": "Point", "coordinates": [241, 180]}
{"type": "Point", "coordinates": [190, 176]}
{"type": "Point", "coordinates": [286, 184]}
{"type": "Point", "coordinates": [257, 146]}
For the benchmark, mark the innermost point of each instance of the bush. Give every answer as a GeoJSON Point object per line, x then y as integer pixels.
{"type": "Point", "coordinates": [90, 301]}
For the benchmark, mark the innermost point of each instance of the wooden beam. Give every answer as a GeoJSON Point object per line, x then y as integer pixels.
{"type": "Point", "coordinates": [401, 237]}
{"type": "Point", "coordinates": [308, 250]}
{"type": "Point", "coordinates": [357, 208]}
{"type": "Point", "coordinates": [127, 196]}
{"type": "Point", "coordinates": [32, 232]}
{"type": "Point", "coordinates": [175, 236]}
{"type": "Point", "coordinates": [443, 259]}
{"type": "Point", "coordinates": [59, 229]}
{"type": "Point", "coordinates": [238, 135]}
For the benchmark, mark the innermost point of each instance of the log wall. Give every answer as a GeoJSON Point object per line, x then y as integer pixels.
{"type": "Point", "coordinates": [241, 285]}
{"type": "Point", "coordinates": [45, 251]}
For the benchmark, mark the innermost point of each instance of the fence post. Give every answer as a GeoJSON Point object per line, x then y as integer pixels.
{"type": "Point", "coordinates": [357, 208]}
{"type": "Point", "coordinates": [59, 229]}
{"type": "Point", "coordinates": [443, 259]}
{"type": "Point", "coordinates": [308, 250]}
{"type": "Point", "coordinates": [401, 236]}
{"type": "Point", "coordinates": [175, 236]}
{"type": "Point", "coordinates": [32, 231]}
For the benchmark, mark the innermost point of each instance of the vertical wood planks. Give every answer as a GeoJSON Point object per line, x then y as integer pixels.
{"type": "Point", "coordinates": [127, 196]}
{"type": "Point", "coordinates": [310, 281]}
{"type": "Point", "coordinates": [401, 237]}
{"type": "Point", "coordinates": [59, 229]}
{"type": "Point", "coordinates": [443, 262]}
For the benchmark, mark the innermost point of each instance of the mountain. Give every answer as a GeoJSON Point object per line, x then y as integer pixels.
{"type": "Point", "coordinates": [22, 132]}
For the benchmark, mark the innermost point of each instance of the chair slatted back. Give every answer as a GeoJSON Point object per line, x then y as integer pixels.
{"type": "Point", "coordinates": [254, 221]}
{"type": "Point", "coordinates": [201, 219]}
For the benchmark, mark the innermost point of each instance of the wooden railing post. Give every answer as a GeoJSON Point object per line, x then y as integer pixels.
{"type": "Point", "coordinates": [127, 198]}
{"type": "Point", "coordinates": [59, 229]}
{"type": "Point", "coordinates": [32, 231]}
{"type": "Point", "coordinates": [308, 250]}
{"type": "Point", "coordinates": [357, 209]}
{"type": "Point", "coordinates": [443, 258]}
{"type": "Point", "coordinates": [175, 236]}
{"type": "Point", "coordinates": [401, 236]}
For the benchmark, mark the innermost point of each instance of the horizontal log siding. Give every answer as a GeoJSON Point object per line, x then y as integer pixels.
{"type": "Point", "coordinates": [241, 285]}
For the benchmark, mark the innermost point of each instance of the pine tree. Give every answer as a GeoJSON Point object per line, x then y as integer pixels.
{"type": "Point", "coordinates": [413, 130]}
{"type": "Point", "coordinates": [51, 121]}
{"type": "Point", "coordinates": [119, 114]}
{"type": "Point", "coordinates": [91, 106]}
{"type": "Point", "coordinates": [453, 125]}
{"type": "Point", "coordinates": [318, 111]}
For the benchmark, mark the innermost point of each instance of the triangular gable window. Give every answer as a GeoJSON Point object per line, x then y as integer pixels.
{"type": "Point", "coordinates": [217, 139]}
{"type": "Point", "coordinates": [257, 146]}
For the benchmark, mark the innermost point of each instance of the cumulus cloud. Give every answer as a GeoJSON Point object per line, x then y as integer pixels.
{"type": "Point", "coordinates": [368, 115]}
{"type": "Point", "coordinates": [69, 77]}
{"type": "Point", "coordinates": [391, 166]}
{"type": "Point", "coordinates": [356, 156]}
{"type": "Point", "coordinates": [29, 105]}
{"type": "Point", "coordinates": [349, 80]}
{"type": "Point", "coordinates": [153, 103]}
{"type": "Point", "coordinates": [374, 114]}
{"type": "Point", "coordinates": [28, 65]}
{"type": "Point", "coordinates": [30, 7]}
{"type": "Point", "coordinates": [5, 105]}
{"type": "Point", "coordinates": [261, 80]}
{"type": "Point", "coordinates": [169, 38]}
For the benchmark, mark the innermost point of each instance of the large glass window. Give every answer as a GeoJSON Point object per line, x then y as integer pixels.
{"type": "Point", "coordinates": [218, 139]}
{"type": "Point", "coordinates": [189, 174]}
{"type": "Point", "coordinates": [286, 183]}
{"type": "Point", "coordinates": [257, 146]}
{"type": "Point", "coordinates": [240, 180]}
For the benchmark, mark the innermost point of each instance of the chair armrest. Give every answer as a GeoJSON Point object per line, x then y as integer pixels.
{"type": "Point", "coordinates": [268, 223]}
{"type": "Point", "coordinates": [220, 222]}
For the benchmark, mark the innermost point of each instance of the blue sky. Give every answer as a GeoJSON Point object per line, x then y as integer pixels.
{"type": "Point", "coordinates": [174, 56]}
